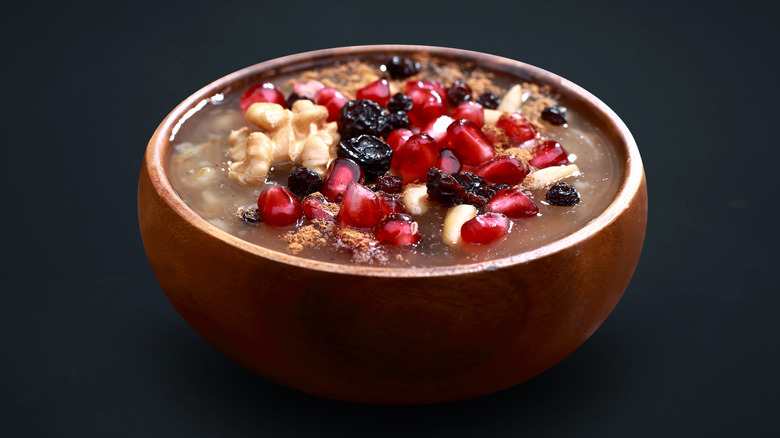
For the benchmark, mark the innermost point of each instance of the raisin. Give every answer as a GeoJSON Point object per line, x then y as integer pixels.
{"type": "Point", "coordinates": [294, 97]}
{"type": "Point", "coordinates": [554, 115]}
{"type": "Point", "coordinates": [390, 183]}
{"type": "Point", "coordinates": [458, 93]}
{"type": "Point", "coordinates": [361, 116]}
{"type": "Point", "coordinates": [303, 181]}
{"type": "Point", "coordinates": [400, 68]}
{"type": "Point", "coordinates": [459, 188]}
{"type": "Point", "coordinates": [563, 195]}
{"type": "Point", "coordinates": [399, 102]}
{"type": "Point", "coordinates": [488, 100]}
{"type": "Point", "coordinates": [372, 154]}
{"type": "Point", "coordinates": [249, 215]}
{"type": "Point", "coordinates": [396, 120]}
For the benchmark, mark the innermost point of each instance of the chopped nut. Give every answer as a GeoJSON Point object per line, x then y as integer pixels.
{"type": "Point", "coordinates": [415, 197]}
{"type": "Point", "coordinates": [491, 116]}
{"type": "Point", "coordinates": [512, 99]}
{"type": "Point", "coordinates": [254, 168]}
{"type": "Point", "coordinates": [237, 142]}
{"type": "Point", "coordinates": [268, 116]}
{"type": "Point", "coordinates": [544, 177]}
{"type": "Point", "coordinates": [456, 217]}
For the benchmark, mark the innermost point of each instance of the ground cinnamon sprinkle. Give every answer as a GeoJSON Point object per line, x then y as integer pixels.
{"type": "Point", "coordinates": [364, 247]}
{"type": "Point", "coordinates": [305, 236]}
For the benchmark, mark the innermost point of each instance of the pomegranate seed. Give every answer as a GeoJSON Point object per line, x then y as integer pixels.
{"type": "Point", "coordinates": [397, 229]}
{"type": "Point", "coordinates": [512, 203]}
{"type": "Point", "coordinates": [360, 207]}
{"type": "Point", "coordinates": [278, 207]}
{"type": "Point", "coordinates": [438, 129]}
{"type": "Point", "coordinates": [377, 91]}
{"type": "Point", "coordinates": [470, 111]}
{"type": "Point", "coordinates": [396, 140]}
{"type": "Point", "coordinates": [428, 105]}
{"type": "Point", "coordinates": [427, 84]}
{"type": "Point", "coordinates": [265, 92]}
{"type": "Point", "coordinates": [389, 204]}
{"type": "Point", "coordinates": [448, 161]}
{"type": "Point", "coordinates": [485, 228]}
{"type": "Point", "coordinates": [518, 128]}
{"type": "Point", "coordinates": [549, 153]}
{"type": "Point", "coordinates": [417, 156]}
{"type": "Point", "coordinates": [308, 89]}
{"type": "Point", "coordinates": [503, 170]}
{"type": "Point", "coordinates": [342, 172]}
{"type": "Point", "coordinates": [333, 100]}
{"type": "Point", "coordinates": [316, 207]}
{"type": "Point", "coordinates": [470, 142]}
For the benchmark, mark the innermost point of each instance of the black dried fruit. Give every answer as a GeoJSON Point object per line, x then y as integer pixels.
{"type": "Point", "coordinates": [294, 97]}
{"type": "Point", "coordinates": [489, 100]}
{"type": "Point", "coordinates": [303, 181]}
{"type": "Point", "coordinates": [562, 195]}
{"type": "Point", "coordinates": [400, 68]}
{"type": "Point", "coordinates": [361, 116]}
{"type": "Point", "coordinates": [458, 188]}
{"type": "Point", "coordinates": [396, 120]}
{"type": "Point", "coordinates": [458, 93]}
{"type": "Point", "coordinates": [389, 183]}
{"type": "Point", "coordinates": [554, 115]}
{"type": "Point", "coordinates": [399, 102]}
{"type": "Point", "coordinates": [372, 154]}
{"type": "Point", "coordinates": [249, 215]}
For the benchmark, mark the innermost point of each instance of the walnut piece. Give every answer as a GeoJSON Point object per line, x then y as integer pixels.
{"type": "Point", "coordinates": [254, 167]}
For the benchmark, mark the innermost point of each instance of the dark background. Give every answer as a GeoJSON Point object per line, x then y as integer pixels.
{"type": "Point", "coordinates": [91, 346]}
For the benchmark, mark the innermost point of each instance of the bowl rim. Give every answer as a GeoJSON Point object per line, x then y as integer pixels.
{"type": "Point", "coordinates": [157, 150]}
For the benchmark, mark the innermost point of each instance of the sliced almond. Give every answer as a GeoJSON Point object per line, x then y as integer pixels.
{"type": "Point", "coordinates": [456, 217]}
{"type": "Point", "coordinates": [491, 115]}
{"type": "Point", "coordinates": [545, 177]}
{"type": "Point", "coordinates": [512, 99]}
{"type": "Point", "coordinates": [415, 199]}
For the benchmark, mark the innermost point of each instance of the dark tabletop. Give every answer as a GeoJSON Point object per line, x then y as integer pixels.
{"type": "Point", "coordinates": [93, 348]}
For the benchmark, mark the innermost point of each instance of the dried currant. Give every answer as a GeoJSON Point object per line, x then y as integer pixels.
{"type": "Point", "coordinates": [396, 120]}
{"type": "Point", "coordinates": [361, 116]}
{"type": "Point", "coordinates": [554, 115]}
{"type": "Point", "coordinates": [389, 183]}
{"type": "Point", "coordinates": [458, 93]}
{"type": "Point", "coordinates": [563, 195]}
{"type": "Point", "coordinates": [249, 215]}
{"type": "Point", "coordinates": [303, 181]}
{"type": "Point", "coordinates": [459, 188]}
{"type": "Point", "coordinates": [489, 100]}
{"type": "Point", "coordinates": [372, 154]}
{"type": "Point", "coordinates": [294, 97]}
{"type": "Point", "coordinates": [399, 102]}
{"type": "Point", "coordinates": [400, 68]}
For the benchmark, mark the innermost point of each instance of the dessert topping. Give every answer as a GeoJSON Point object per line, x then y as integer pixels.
{"type": "Point", "coordinates": [563, 195]}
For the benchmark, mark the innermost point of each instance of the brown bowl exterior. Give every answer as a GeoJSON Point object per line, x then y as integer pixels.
{"type": "Point", "coordinates": [392, 336]}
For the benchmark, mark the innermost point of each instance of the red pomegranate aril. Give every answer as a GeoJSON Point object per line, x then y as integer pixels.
{"type": "Point", "coordinates": [278, 207]}
{"type": "Point", "coordinates": [438, 129]}
{"type": "Point", "coordinates": [342, 172]}
{"type": "Point", "coordinates": [471, 111]}
{"type": "Point", "coordinates": [417, 156]}
{"type": "Point", "coordinates": [512, 203]}
{"type": "Point", "coordinates": [389, 204]}
{"type": "Point", "coordinates": [316, 207]}
{"type": "Point", "coordinates": [265, 92]}
{"type": "Point", "coordinates": [485, 228]}
{"type": "Point", "coordinates": [377, 91]}
{"type": "Point", "coordinates": [428, 105]}
{"type": "Point", "coordinates": [469, 142]}
{"type": "Point", "coordinates": [448, 161]}
{"type": "Point", "coordinates": [503, 170]}
{"type": "Point", "coordinates": [397, 229]}
{"type": "Point", "coordinates": [308, 89]}
{"type": "Point", "coordinates": [396, 140]}
{"type": "Point", "coordinates": [360, 207]}
{"type": "Point", "coordinates": [517, 127]}
{"type": "Point", "coordinates": [549, 153]}
{"type": "Point", "coordinates": [426, 84]}
{"type": "Point", "coordinates": [333, 100]}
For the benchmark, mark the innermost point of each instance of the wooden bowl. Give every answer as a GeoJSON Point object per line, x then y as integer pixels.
{"type": "Point", "coordinates": [392, 335]}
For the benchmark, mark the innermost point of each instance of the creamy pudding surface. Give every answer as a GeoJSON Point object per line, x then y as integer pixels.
{"type": "Point", "coordinates": [449, 199]}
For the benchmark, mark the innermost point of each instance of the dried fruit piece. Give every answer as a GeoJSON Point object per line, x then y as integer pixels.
{"type": "Point", "coordinates": [265, 92]}
{"type": "Point", "coordinates": [517, 127]}
{"type": "Point", "coordinates": [397, 229]}
{"type": "Point", "coordinates": [372, 154]}
{"type": "Point", "coordinates": [485, 228]}
{"type": "Point", "coordinates": [400, 68]}
{"type": "Point", "coordinates": [448, 161]}
{"type": "Point", "coordinates": [303, 181]}
{"type": "Point", "coordinates": [390, 183]}
{"type": "Point", "coordinates": [396, 120]}
{"type": "Point", "coordinates": [342, 172]}
{"type": "Point", "coordinates": [458, 92]}
{"type": "Point", "coordinates": [294, 97]}
{"type": "Point", "coordinates": [360, 207]}
{"type": "Point", "coordinates": [377, 91]}
{"type": "Point", "coordinates": [399, 102]}
{"type": "Point", "coordinates": [554, 115]}
{"type": "Point", "coordinates": [470, 142]}
{"type": "Point", "coordinates": [549, 153]}
{"type": "Point", "coordinates": [503, 170]}
{"type": "Point", "coordinates": [512, 203]}
{"type": "Point", "coordinates": [278, 207]}
{"type": "Point", "coordinates": [455, 189]}
{"type": "Point", "coordinates": [563, 195]}
{"type": "Point", "coordinates": [453, 222]}
{"type": "Point", "coordinates": [417, 156]}
{"type": "Point", "coordinates": [489, 100]}
{"type": "Point", "coordinates": [361, 116]}
{"type": "Point", "coordinates": [470, 111]}
{"type": "Point", "coordinates": [249, 215]}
